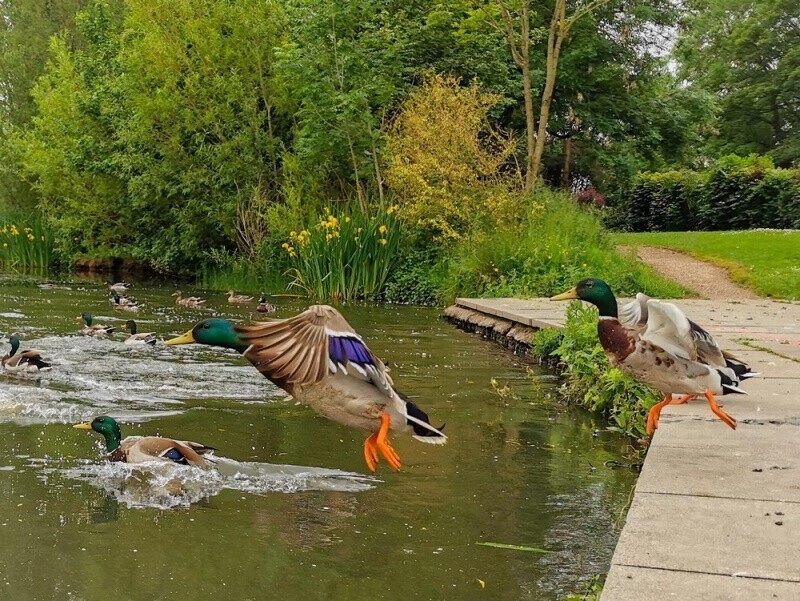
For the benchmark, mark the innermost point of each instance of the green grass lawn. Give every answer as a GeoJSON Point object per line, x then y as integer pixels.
{"type": "Point", "coordinates": [763, 260]}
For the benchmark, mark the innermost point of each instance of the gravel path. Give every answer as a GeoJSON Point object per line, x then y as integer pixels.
{"type": "Point", "coordinates": [705, 279]}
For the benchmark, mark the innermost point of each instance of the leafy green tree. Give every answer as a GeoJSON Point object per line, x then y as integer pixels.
{"type": "Point", "coordinates": [747, 53]}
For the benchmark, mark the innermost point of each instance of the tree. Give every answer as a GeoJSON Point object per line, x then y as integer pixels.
{"type": "Point", "coordinates": [745, 52]}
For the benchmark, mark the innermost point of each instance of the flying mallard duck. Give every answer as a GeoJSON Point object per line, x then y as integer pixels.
{"type": "Point", "coordinates": [665, 355]}
{"type": "Point", "coordinates": [94, 330]}
{"type": "Point", "coordinates": [322, 362]}
{"type": "Point", "coordinates": [139, 449]}
{"type": "Point", "coordinates": [238, 298]}
{"type": "Point", "coordinates": [121, 303]}
{"type": "Point", "coordinates": [264, 306]}
{"type": "Point", "coordinates": [192, 301]}
{"type": "Point", "coordinates": [142, 338]}
{"type": "Point", "coordinates": [119, 287]}
{"type": "Point", "coordinates": [26, 361]}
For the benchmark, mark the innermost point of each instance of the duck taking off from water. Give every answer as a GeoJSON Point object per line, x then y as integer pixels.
{"type": "Point", "coordinates": [139, 449]}
{"type": "Point", "coordinates": [92, 329]}
{"type": "Point", "coordinates": [23, 362]}
{"type": "Point", "coordinates": [664, 354]}
{"type": "Point", "coordinates": [320, 360]}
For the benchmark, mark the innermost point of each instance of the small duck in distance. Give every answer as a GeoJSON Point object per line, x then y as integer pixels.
{"type": "Point", "coordinates": [29, 361]}
{"type": "Point", "coordinates": [141, 449]}
{"type": "Point", "coordinates": [92, 329]}
{"type": "Point", "coordinates": [238, 298]}
{"type": "Point", "coordinates": [119, 287]}
{"type": "Point", "coordinates": [192, 301]}
{"type": "Point", "coordinates": [123, 303]}
{"type": "Point", "coordinates": [138, 338]}
{"type": "Point", "coordinates": [264, 306]}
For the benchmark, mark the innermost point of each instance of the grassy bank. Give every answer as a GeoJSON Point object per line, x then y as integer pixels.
{"type": "Point", "coordinates": [764, 260]}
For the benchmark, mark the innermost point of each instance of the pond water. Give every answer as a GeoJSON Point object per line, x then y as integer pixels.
{"type": "Point", "coordinates": [291, 511]}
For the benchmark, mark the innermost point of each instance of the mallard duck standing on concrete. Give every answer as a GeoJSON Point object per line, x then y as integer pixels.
{"type": "Point", "coordinates": [663, 355]}
{"type": "Point", "coordinates": [320, 360]}
{"type": "Point", "coordinates": [139, 449]}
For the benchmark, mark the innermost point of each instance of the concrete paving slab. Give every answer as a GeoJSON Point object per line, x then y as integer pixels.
{"type": "Point", "coordinates": [730, 471]}
{"type": "Point", "coordinates": [730, 537]}
{"type": "Point", "coordinates": [625, 583]}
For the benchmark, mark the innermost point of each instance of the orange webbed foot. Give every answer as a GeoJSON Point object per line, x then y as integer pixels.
{"type": "Point", "coordinates": [379, 442]}
{"type": "Point", "coordinates": [715, 407]}
{"type": "Point", "coordinates": [655, 413]}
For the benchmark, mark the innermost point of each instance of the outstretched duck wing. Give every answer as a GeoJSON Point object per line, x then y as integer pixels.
{"type": "Point", "coordinates": [309, 347]}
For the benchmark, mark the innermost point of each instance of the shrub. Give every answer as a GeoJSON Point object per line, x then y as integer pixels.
{"type": "Point", "coordinates": [734, 193]}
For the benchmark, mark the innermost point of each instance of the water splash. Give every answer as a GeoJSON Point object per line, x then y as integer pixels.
{"type": "Point", "coordinates": [163, 485]}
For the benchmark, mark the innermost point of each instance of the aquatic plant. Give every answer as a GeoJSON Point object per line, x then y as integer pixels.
{"type": "Point", "coordinates": [344, 257]}
{"type": "Point", "coordinates": [24, 243]}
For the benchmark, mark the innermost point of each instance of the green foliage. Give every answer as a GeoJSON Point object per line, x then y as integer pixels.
{"type": "Point", "coordinates": [546, 342]}
{"type": "Point", "coordinates": [765, 261]}
{"type": "Point", "coordinates": [734, 193]}
{"type": "Point", "coordinates": [25, 242]}
{"type": "Point", "coordinates": [414, 279]}
{"type": "Point", "coordinates": [556, 244]}
{"type": "Point", "coordinates": [592, 382]}
{"type": "Point", "coordinates": [744, 52]}
{"type": "Point", "coordinates": [591, 590]}
{"type": "Point", "coordinates": [344, 258]}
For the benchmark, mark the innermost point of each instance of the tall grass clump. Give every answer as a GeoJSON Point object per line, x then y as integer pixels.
{"type": "Point", "coordinates": [555, 244]}
{"type": "Point", "coordinates": [344, 257]}
{"type": "Point", "coordinates": [24, 243]}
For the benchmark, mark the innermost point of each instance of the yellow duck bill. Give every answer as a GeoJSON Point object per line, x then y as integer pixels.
{"type": "Point", "coordinates": [86, 426]}
{"type": "Point", "coordinates": [568, 295]}
{"type": "Point", "coordinates": [187, 338]}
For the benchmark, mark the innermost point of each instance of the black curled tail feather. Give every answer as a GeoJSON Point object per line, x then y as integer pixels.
{"type": "Point", "coordinates": [729, 385]}
{"type": "Point", "coordinates": [417, 413]}
{"type": "Point", "coordinates": [38, 362]}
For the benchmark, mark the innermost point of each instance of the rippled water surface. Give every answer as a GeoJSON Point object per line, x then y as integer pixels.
{"type": "Point", "coordinates": [290, 510]}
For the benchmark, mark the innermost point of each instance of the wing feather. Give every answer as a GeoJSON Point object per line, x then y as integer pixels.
{"type": "Point", "coordinates": [669, 328]}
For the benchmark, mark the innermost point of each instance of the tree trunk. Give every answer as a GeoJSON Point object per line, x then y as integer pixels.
{"type": "Point", "coordinates": [558, 27]}
{"type": "Point", "coordinates": [530, 127]}
{"type": "Point", "coordinates": [567, 163]}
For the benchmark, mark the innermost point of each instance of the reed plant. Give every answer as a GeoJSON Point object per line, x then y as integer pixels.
{"type": "Point", "coordinates": [24, 243]}
{"type": "Point", "coordinates": [344, 257]}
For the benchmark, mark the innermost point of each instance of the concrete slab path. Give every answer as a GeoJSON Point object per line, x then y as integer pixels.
{"type": "Point", "coordinates": [716, 513]}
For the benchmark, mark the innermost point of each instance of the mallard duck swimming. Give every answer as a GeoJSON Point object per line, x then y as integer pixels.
{"type": "Point", "coordinates": [322, 362]}
{"type": "Point", "coordinates": [238, 298]}
{"type": "Point", "coordinates": [192, 301]}
{"type": "Point", "coordinates": [264, 306]}
{"type": "Point", "coordinates": [120, 287]}
{"type": "Point", "coordinates": [134, 338]}
{"type": "Point", "coordinates": [665, 355]}
{"type": "Point", "coordinates": [139, 449]}
{"type": "Point", "coordinates": [26, 361]}
{"type": "Point", "coordinates": [125, 304]}
{"type": "Point", "coordinates": [94, 330]}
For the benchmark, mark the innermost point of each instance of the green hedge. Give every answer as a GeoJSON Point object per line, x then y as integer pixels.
{"type": "Point", "coordinates": [735, 193]}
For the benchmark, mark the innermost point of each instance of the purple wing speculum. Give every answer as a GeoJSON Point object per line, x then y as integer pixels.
{"type": "Point", "coordinates": [343, 350]}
